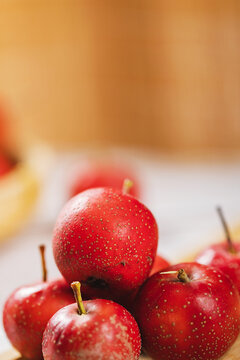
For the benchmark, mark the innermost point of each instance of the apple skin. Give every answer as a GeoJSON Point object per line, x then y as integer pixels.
{"type": "Point", "coordinates": [159, 264]}
{"type": "Point", "coordinates": [94, 174]}
{"type": "Point", "coordinates": [198, 320]}
{"type": "Point", "coordinates": [107, 240]}
{"type": "Point", "coordinates": [107, 332]}
{"type": "Point", "coordinates": [27, 311]}
{"type": "Point", "coordinates": [221, 258]}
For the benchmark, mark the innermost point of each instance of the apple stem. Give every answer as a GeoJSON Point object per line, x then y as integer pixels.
{"type": "Point", "coordinates": [231, 246]}
{"type": "Point", "coordinates": [44, 268]}
{"type": "Point", "coordinates": [78, 297]}
{"type": "Point", "coordinates": [127, 185]}
{"type": "Point", "coordinates": [182, 276]}
{"type": "Point", "coordinates": [168, 272]}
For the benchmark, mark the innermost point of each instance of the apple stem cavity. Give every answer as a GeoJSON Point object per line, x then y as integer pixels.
{"type": "Point", "coordinates": [44, 268]}
{"type": "Point", "coordinates": [127, 185]}
{"type": "Point", "coordinates": [182, 276]}
{"type": "Point", "coordinates": [231, 246]}
{"type": "Point", "coordinates": [76, 286]}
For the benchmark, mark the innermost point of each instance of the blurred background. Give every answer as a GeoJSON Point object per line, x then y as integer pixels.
{"type": "Point", "coordinates": [158, 74]}
{"type": "Point", "coordinates": [148, 89]}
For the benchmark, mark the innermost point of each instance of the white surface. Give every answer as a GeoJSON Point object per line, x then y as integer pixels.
{"type": "Point", "coordinates": [182, 197]}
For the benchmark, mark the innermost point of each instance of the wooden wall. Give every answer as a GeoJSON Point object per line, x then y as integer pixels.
{"type": "Point", "coordinates": [159, 73]}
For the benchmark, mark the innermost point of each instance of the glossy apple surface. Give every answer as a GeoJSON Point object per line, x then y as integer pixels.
{"type": "Point", "coordinates": [107, 240]}
{"type": "Point", "coordinates": [27, 311]}
{"type": "Point", "coordinates": [198, 318]}
{"type": "Point", "coordinates": [107, 331]}
{"type": "Point", "coordinates": [219, 256]}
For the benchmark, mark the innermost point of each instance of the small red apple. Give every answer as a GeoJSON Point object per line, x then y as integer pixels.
{"type": "Point", "coordinates": [91, 330]}
{"type": "Point", "coordinates": [224, 256]}
{"type": "Point", "coordinates": [159, 264]}
{"type": "Point", "coordinates": [94, 174]}
{"type": "Point", "coordinates": [28, 309]}
{"type": "Point", "coordinates": [106, 239]}
{"type": "Point", "coordinates": [189, 311]}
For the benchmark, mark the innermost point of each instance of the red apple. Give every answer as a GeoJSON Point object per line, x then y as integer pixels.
{"type": "Point", "coordinates": [159, 264]}
{"type": "Point", "coordinates": [224, 256]}
{"type": "Point", "coordinates": [93, 330]}
{"type": "Point", "coordinates": [93, 174]}
{"type": "Point", "coordinates": [28, 309]}
{"type": "Point", "coordinates": [106, 239]}
{"type": "Point", "coordinates": [189, 311]}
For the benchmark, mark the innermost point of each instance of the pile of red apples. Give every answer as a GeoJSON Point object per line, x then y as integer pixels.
{"type": "Point", "coordinates": [117, 298]}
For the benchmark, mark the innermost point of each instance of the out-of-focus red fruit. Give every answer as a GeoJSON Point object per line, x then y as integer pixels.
{"type": "Point", "coordinates": [93, 174]}
{"type": "Point", "coordinates": [7, 163]}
